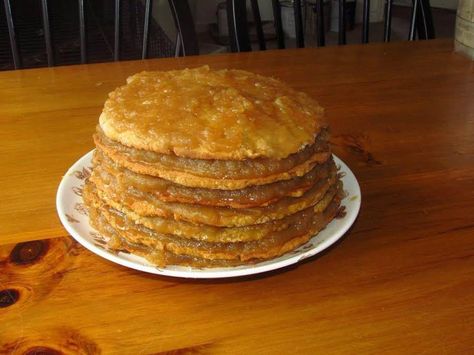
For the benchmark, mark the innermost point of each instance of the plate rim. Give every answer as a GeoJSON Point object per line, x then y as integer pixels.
{"type": "Point", "coordinates": [206, 273]}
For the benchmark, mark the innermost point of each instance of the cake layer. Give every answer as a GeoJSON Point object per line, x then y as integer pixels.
{"type": "Point", "coordinates": [229, 169]}
{"type": "Point", "coordinates": [167, 191]}
{"type": "Point", "coordinates": [165, 249]}
{"type": "Point", "coordinates": [211, 114]}
{"type": "Point", "coordinates": [215, 174]}
{"type": "Point", "coordinates": [211, 233]}
{"type": "Point", "coordinates": [147, 204]}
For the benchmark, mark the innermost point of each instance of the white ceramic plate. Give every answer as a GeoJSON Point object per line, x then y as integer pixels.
{"type": "Point", "coordinates": [73, 216]}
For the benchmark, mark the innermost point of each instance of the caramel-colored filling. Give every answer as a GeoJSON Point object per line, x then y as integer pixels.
{"type": "Point", "coordinates": [168, 191]}
{"type": "Point", "coordinates": [163, 247]}
{"type": "Point", "coordinates": [146, 204]}
{"type": "Point", "coordinates": [212, 233]}
{"type": "Point", "coordinates": [217, 169]}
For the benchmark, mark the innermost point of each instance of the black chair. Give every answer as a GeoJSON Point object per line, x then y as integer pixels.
{"type": "Point", "coordinates": [238, 25]}
{"type": "Point", "coordinates": [137, 28]}
{"type": "Point", "coordinates": [421, 23]}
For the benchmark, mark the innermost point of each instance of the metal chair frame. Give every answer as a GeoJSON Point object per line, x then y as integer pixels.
{"type": "Point", "coordinates": [187, 45]}
{"type": "Point", "coordinates": [421, 22]}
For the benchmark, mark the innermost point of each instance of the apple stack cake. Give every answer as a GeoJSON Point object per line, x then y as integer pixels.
{"type": "Point", "coordinates": [210, 168]}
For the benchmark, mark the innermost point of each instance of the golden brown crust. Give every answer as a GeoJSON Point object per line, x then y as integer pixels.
{"type": "Point", "coordinates": [211, 114]}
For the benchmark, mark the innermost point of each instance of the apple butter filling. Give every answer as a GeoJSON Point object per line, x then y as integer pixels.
{"type": "Point", "coordinates": [146, 204]}
{"type": "Point", "coordinates": [167, 191]}
{"type": "Point", "coordinates": [211, 168]}
{"type": "Point", "coordinates": [166, 249]}
{"type": "Point", "coordinates": [211, 233]}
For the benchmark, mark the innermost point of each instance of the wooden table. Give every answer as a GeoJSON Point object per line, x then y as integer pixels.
{"type": "Point", "coordinates": [401, 281]}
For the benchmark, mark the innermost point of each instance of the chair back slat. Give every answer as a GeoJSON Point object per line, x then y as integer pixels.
{"type": "Point", "coordinates": [424, 21]}
{"type": "Point", "coordinates": [238, 30]}
{"type": "Point", "coordinates": [342, 22]}
{"type": "Point", "coordinates": [12, 35]}
{"type": "Point", "coordinates": [298, 23]}
{"type": "Point", "coordinates": [258, 24]}
{"type": "Point", "coordinates": [421, 22]}
{"type": "Point", "coordinates": [185, 27]}
{"type": "Point", "coordinates": [117, 31]}
{"type": "Point", "coordinates": [177, 48]}
{"type": "Point", "coordinates": [414, 15]}
{"type": "Point", "coordinates": [320, 29]}
{"type": "Point", "coordinates": [387, 24]}
{"type": "Point", "coordinates": [365, 21]}
{"type": "Point", "coordinates": [146, 27]}
{"type": "Point", "coordinates": [276, 7]}
{"type": "Point", "coordinates": [82, 31]}
{"type": "Point", "coordinates": [421, 26]}
{"type": "Point", "coordinates": [47, 33]}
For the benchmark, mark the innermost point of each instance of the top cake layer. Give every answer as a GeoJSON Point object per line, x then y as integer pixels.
{"type": "Point", "coordinates": [211, 114]}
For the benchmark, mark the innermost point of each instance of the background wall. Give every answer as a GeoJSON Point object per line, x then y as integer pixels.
{"type": "Point", "coordinates": [443, 4]}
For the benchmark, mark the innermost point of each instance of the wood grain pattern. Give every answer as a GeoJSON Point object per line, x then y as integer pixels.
{"type": "Point", "coordinates": [401, 281]}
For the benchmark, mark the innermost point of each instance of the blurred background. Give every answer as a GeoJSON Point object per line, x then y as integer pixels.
{"type": "Point", "coordinates": [210, 19]}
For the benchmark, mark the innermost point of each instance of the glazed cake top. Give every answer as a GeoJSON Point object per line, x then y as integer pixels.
{"type": "Point", "coordinates": [211, 114]}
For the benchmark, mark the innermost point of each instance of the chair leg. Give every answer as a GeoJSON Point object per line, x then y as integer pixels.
{"type": "Point", "coordinates": [238, 31]}
{"type": "Point", "coordinates": [320, 30]}
{"type": "Point", "coordinates": [429, 20]}
{"type": "Point", "coordinates": [47, 33]}
{"type": "Point", "coordinates": [298, 23]}
{"type": "Point", "coordinates": [146, 27]}
{"type": "Point", "coordinates": [117, 31]}
{"type": "Point", "coordinates": [258, 24]}
{"type": "Point", "coordinates": [365, 22]}
{"type": "Point", "coordinates": [278, 23]}
{"type": "Point", "coordinates": [82, 31]}
{"type": "Point", "coordinates": [184, 23]}
{"type": "Point", "coordinates": [388, 21]}
{"type": "Point", "coordinates": [12, 35]}
{"type": "Point", "coordinates": [414, 14]}
{"type": "Point", "coordinates": [424, 21]}
{"type": "Point", "coordinates": [177, 48]}
{"type": "Point", "coordinates": [342, 22]}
